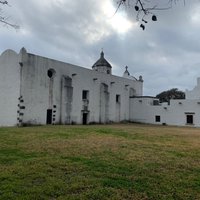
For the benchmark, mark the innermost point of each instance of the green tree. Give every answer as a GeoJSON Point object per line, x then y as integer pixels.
{"type": "Point", "coordinates": [173, 93]}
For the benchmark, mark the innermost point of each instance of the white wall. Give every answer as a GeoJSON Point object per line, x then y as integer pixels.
{"type": "Point", "coordinates": [35, 90]}
{"type": "Point", "coordinates": [142, 110]}
{"type": "Point", "coordinates": [9, 87]}
{"type": "Point", "coordinates": [195, 93]}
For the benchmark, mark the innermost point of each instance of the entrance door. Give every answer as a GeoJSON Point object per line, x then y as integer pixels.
{"type": "Point", "coordinates": [85, 116]}
{"type": "Point", "coordinates": [49, 116]}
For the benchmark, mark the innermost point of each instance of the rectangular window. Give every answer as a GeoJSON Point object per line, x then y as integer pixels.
{"type": "Point", "coordinates": [157, 118]}
{"type": "Point", "coordinates": [85, 94]}
{"type": "Point", "coordinates": [189, 119]}
{"type": "Point", "coordinates": [117, 98]}
{"type": "Point", "coordinates": [155, 102]}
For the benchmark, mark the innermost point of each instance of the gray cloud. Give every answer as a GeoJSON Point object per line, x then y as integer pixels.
{"type": "Point", "coordinates": [166, 54]}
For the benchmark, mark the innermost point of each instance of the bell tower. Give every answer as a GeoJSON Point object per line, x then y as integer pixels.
{"type": "Point", "coordinates": [102, 65]}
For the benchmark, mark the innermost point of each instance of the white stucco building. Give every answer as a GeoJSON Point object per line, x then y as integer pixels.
{"type": "Point", "coordinates": [180, 112]}
{"type": "Point", "coordinates": [37, 90]}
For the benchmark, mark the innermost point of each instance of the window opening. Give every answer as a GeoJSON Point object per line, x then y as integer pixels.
{"type": "Point", "coordinates": [50, 73]}
{"type": "Point", "coordinates": [85, 94]}
{"type": "Point", "coordinates": [155, 102]}
{"type": "Point", "coordinates": [189, 119]}
{"type": "Point", "coordinates": [117, 98]}
{"type": "Point", "coordinates": [157, 118]}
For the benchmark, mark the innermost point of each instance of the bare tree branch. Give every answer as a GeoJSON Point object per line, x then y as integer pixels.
{"type": "Point", "coordinates": [3, 2]}
{"type": "Point", "coordinates": [143, 12]}
{"type": "Point", "coordinates": [5, 20]}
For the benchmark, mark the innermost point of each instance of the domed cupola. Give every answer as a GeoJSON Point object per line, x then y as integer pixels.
{"type": "Point", "coordinates": [126, 73]}
{"type": "Point", "coordinates": [102, 65]}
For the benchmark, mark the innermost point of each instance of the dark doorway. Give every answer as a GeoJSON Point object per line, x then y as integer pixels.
{"type": "Point", "coordinates": [85, 116]}
{"type": "Point", "coordinates": [49, 116]}
{"type": "Point", "coordinates": [189, 119]}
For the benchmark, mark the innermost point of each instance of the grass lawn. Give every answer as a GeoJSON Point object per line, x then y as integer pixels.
{"type": "Point", "coordinates": [130, 161]}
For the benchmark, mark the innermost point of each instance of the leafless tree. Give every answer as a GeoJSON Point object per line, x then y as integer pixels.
{"type": "Point", "coordinates": [145, 9]}
{"type": "Point", "coordinates": [5, 19]}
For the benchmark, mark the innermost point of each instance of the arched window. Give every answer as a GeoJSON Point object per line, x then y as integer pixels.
{"type": "Point", "coordinates": [51, 73]}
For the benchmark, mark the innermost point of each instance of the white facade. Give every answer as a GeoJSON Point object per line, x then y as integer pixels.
{"type": "Point", "coordinates": [180, 112]}
{"type": "Point", "coordinates": [37, 90]}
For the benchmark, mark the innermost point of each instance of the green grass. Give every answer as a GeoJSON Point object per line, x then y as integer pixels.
{"type": "Point", "coordinates": [128, 161]}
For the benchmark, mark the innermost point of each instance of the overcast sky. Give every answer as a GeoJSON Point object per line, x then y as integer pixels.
{"type": "Point", "coordinates": [166, 54]}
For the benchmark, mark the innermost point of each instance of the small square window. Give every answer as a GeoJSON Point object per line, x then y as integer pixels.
{"type": "Point", "coordinates": [189, 119]}
{"type": "Point", "coordinates": [155, 102]}
{"type": "Point", "coordinates": [157, 118]}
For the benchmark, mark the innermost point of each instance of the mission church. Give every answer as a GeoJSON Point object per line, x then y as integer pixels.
{"type": "Point", "coordinates": [36, 90]}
